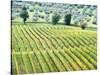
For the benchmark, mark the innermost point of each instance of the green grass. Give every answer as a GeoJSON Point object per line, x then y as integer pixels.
{"type": "Point", "coordinates": [43, 47]}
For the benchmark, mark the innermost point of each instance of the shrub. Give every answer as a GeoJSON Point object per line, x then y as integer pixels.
{"type": "Point", "coordinates": [83, 25]}
{"type": "Point", "coordinates": [41, 16]}
{"type": "Point", "coordinates": [51, 11]}
{"type": "Point", "coordinates": [55, 18]}
{"type": "Point", "coordinates": [47, 12]}
{"type": "Point", "coordinates": [31, 10]}
{"type": "Point", "coordinates": [67, 19]}
{"type": "Point", "coordinates": [88, 19]}
{"type": "Point", "coordinates": [17, 11]}
{"type": "Point", "coordinates": [41, 10]}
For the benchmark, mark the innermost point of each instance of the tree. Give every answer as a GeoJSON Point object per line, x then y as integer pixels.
{"type": "Point", "coordinates": [67, 19]}
{"type": "Point", "coordinates": [35, 19]}
{"type": "Point", "coordinates": [35, 16]}
{"type": "Point", "coordinates": [55, 18]}
{"type": "Point", "coordinates": [24, 14]}
{"type": "Point", "coordinates": [46, 18]}
{"type": "Point", "coordinates": [95, 20]}
{"type": "Point", "coordinates": [31, 9]}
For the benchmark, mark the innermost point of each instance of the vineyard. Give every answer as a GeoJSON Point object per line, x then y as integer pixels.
{"type": "Point", "coordinates": [38, 48]}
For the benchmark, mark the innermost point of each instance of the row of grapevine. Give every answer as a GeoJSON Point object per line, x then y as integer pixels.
{"type": "Point", "coordinates": [39, 49]}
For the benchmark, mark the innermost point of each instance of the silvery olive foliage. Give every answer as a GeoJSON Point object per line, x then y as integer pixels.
{"type": "Point", "coordinates": [35, 17]}
{"type": "Point", "coordinates": [45, 10]}
{"type": "Point", "coordinates": [95, 20]}
{"type": "Point", "coordinates": [46, 18]}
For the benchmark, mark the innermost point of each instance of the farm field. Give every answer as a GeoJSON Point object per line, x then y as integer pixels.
{"type": "Point", "coordinates": [42, 47]}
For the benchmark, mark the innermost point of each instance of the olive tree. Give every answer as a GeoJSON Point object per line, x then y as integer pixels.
{"type": "Point", "coordinates": [35, 17]}
{"type": "Point", "coordinates": [46, 18]}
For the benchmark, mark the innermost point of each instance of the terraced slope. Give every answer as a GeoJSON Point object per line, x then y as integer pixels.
{"type": "Point", "coordinates": [37, 49]}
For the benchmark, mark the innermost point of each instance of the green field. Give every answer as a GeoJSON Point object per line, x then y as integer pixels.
{"type": "Point", "coordinates": [40, 48]}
